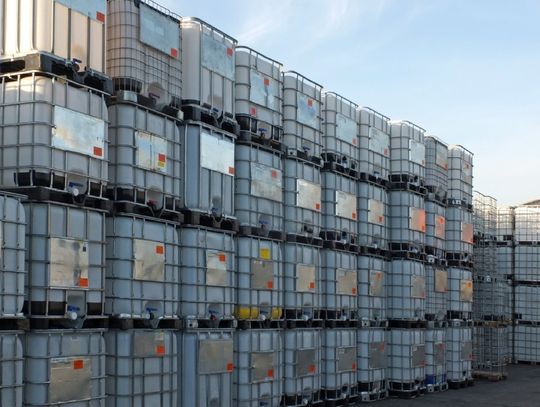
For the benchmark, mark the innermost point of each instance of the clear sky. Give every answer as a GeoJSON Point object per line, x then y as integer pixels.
{"type": "Point", "coordinates": [466, 71]}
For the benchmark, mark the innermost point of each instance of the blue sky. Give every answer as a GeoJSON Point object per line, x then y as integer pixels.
{"type": "Point", "coordinates": [467, 71]}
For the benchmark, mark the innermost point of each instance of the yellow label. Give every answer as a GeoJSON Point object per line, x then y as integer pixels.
{"type": "Point", "coordinates": [265, 253]}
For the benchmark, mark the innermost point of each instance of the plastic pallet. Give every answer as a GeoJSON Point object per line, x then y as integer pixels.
{"type": "Point", "coordinates": [192, 111]}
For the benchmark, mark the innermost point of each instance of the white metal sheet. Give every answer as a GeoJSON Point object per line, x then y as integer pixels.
{"type": "Point", "coordinates": [217, 56]}
{"type": "Point", "coordinates": [346, 281]}
{"type": "Point", "coordinates": [345, 205]}
{"type": "Point", "coordinates": [264, 90]}
{"type": "Point", "coordinates": [266, 182]}
{"type": "Point", "coordinates": [151, 152]}
{"type": "Point", "coordinates": [308, 195]}
{"type": "Point", "coordinates": [379, 142]}
{"type": "Point", "coordinates": [308, 111]}
{"type": "Point", "coordinates": [217, 154]}
{"type": "Point", "coordinates": [346, 129]}
{"type": "Point", "coordinates": [159, 31]}
{"type": "Point", "coordinates": [216, 268]}
{"type": "Point", "coordinates": [305, 278]}
{"type": "Point", "coordinates": [149, 260]}
{"type": "Point", "coordinates": [69, 263]}
{"type": "Point", "coordinates": [417, 152]}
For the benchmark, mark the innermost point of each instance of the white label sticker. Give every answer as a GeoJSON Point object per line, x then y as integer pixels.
{"type": "Point", "coordinates": [159, 31]}
{"type": "Point", "coordinates": [217, 56]}
{"type": "Point", "coordinates": [217, 154]}
{"type": "Point", "coordinates": [346, 129]}
{"type": "Point", "coordinates": [309, 195]}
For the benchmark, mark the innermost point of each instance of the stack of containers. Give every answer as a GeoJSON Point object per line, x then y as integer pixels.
{"type": "Point", "coordinates": [406, 290]}
{"type": "Point", "coordinates": [54, 149]}
{"type": "Point", "coordinates": [258, 346]}
{"type": "Point", "coordinates": [207, 239]}
{"type": "Point", "coordinates": [459, 250]}
{"type": "Point", "coordinates": [302, 138]}
{"type": "Point", "coordinates": [145, 167]}
{"type": "Point", "coordinates": [340, 248]}
{"type": "Point", "coordinates": [436, 273]}
{"type": "Point", "coordinates": [373, 222]}
{"type": "Point", "coordinates": [491, 294]}
{"type": "Point", "coordinates": [526, 283]}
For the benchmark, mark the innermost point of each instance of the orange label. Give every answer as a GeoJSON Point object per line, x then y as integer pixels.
{"type": "Point", "coordinates": [230, 367]}
{"type": "Point", "coordinates": [274, 174]}
{"type": "Point", "coordinates": [354, 290]}
{"type": "Point", "coordinates": [318, 206]}
{"type": "Point", "coordinates": [354, 141]}
{"type": "Point", "coordinates": [83, 282]}
{"type": "Point", "coordinates": [229, 51]}
{"type": "Point", "coordinates": [423, 228]}
{"type": "Point", "coordinates": [310, 102]}
{"type": "Point", "coordinates": [222, 257]}
{"type": "Point", "coordinates": [160, 249]}
{"type": "Point", "coordinates": [354, 215]}
{"type": "Point", "coordinates": [231, 170]}
{"type": "Point", "coordinates": [174, 52]}
{"type": "Point", "coordinates": [312, 368]}
{"type": "Point", "coordinates": [385, 151]}
{"type": "Point", "coordinates": [253, 111]}
{"type": "Point", "coordinates": [381, 218]}
{"type": "Point", "coordinates": [98, 151]}
{"type": "Point", "coordinates": [100, 17]}
{"type": "Point", "coordinates": [270, 285]}
{"type": "Point", "coordinates": [78, 364]}
{"type": "Point", "coordinates": [353, 366]}
{"type": "Point", "coordinates": [270, 373]}
{"type": "Point", "coordinates": [266, 82]}
{"type": "Point", "coordinates": [160, 350]}
{"type": "Point", "coordinates": [312, 284]}
{"type": "Point", "coordinates": [161, 157]}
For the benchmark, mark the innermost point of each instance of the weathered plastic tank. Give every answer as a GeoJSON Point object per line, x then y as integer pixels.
{"type": "Point", "coordinates": [373, 216]}
{"type": "Point", "coordinates": [258, 368]}
{"type": "Point", "coordinates": [259, 96]}
{"type": "Point", "coordinates": [302, 281]}
{"type": "Point", "coordinates": [65, 260]}
{"type": "Point", "coordinates": [372, 364]}
{"type": "Point", "coordinates": [259, 189]}
{"type": "Point", "coordinates": [64, 367]}
{"type": "Point", "coordinates": [68, 29]}
{"type": "Point", "coordinates": [141, 368]}
{"type": "Point", "coordinates": [436, 292]}
{"type": "Point", "coordinates": [436, 360]}
{"type": "Point", "coordinates": [144, 50]}
{"type": "Point", "coordinates": [144, 157]}
{"type": "Point", "coordinates": [406, 360]}
{"type": "Point", "coordinates": [436, 167]}
{"type": "Point", "coordinates": [339, 284]}
{"type": "Point", "coordinates": [206, 364]}
{"type": "Point", "coordinates": [372, 282]}
{"type": "Point", "coordinates": [339, 363]}
{"type": "Point", "coordinates": [302, 116]}
{"type": "Point", "coordinates": [407, 152]}
{"type": "Point", "coordinates": [12, 364]}
{"type": "Point", "coordinates": [13, 249]}
{"type": "Point", "coordinates": [208, 69]}
{"type": "Point", "coordinates": [339, 208]}
{"type": "Point", "coordinates": [407, 221]}
{"type": "Point", "coordinates": [207, 183]}
{"type": "Point", "coordinates": [54, 134]}
{"type": "Point", "coordinates": [302, 193]}
{"type": "Point", "coordinates": [259, 279]}
{"type": "Point", "coordinates": [207, 274]}
{"type": "Point", "coordinates": [459, 353]}
{"type": "Point", "coordinates": [340, 131]}
{"type": "Point", "coordinates": [406, 290]}
{"type": "Point", "coordinates": [143, 270]}
{"type": "Point", "coordinates": [460, 174]}
{"type": "Point", "coordinates": [374, 144]}
{"type": "Point", "coordinates": [302, 349]}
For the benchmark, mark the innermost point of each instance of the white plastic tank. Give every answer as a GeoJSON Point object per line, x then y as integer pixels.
{"type": "Point", "coordinates": [406, 360]}
{"type": "Point", "coordinates": [459, 353]}
{"type": "Point", "coordinates": [259, 95]}
{"type": "Point", "coordinates": [435, 229]}
{"type": "Point", "coordinates": [207, 183]}
{"type": "Point", "coordinates": [406, 290]}
{"type": "Point", "coordinates": [435, 359]}
{"type": "Point", "coordinates": [143, 268]}
{"type": "Point", "coordinates": [525, 343]}
{"type": "Point", "coordinates": [259, 189]}
{"type": "Point", "coordinates": [459, 231]}
{"type": "Point", "coordinates": [302, 281]}
{"type": "Point", "coordinates": [68, 29]}
{"type": "Point", "coordinates": [526, 260]}
{"type": "Point", "coordinates": [207, 274]}
{"type": "Point", "coordinates": [505, 261]}
{"type": "Point", "coordinates": [339, 208]}
{"type": "Point", "coordinates": [505, 223]}
{"type": "Point", "coordinates": [259, 279]}
{"type": "Point", "coordinates": [64, 367]}
{"type": "Point", "coordinates": [302, 366]}
{"type": "Point", "coordinates": [436, 292]}
{"type": "Point", "coordinates": [302, 116]}
{"type": "Point", "coordinates": [206, 364]}
{"type": "Point", "coordinates": [142, 368]}
{"type": "Point", "coordinates": [144, 157]}
{"type": "Point", "coordinates": [407, 221]}
{"type": "Point", "coordinates": [340, 131]}
{"type": "Point", "coordinates": [54, 134]}
{"type": "Point", "coordinates": [12, 252]}
{"type": "Point", "coordinates": [372, 363]}
{"type": "Point", "coordinates": [460, 174]}
{"type": "Point", "coordinates": [460, 291]}
{"type": "Point", "coordinates": [372, 282]}
{"type": "Point", "coordinates": [66, 261]}
{"type": "Point", "coordinates": [407, 152]}
{"type": "Point", "coordinates": [12, 366]}
{"type": "Point", "coordinates": [374, 145]}
{"type": "Point", "coordinates": [373, 216]}
{"type": "Point", "coordinates": [258, 368]}
{"type": "Point", "coordinates": [339, 364]}
{"type": "Point", "coordinates": [526, 302]}
{"type": "Point", "coordinates": [339, 271]}
{"type": "Point", "coordinates": [436, 167]}
{"type": "Point", "coordinates": [527, 224]}
{"type": "Point", "coordinates": [144, 52]}
{"type": "Point", "coordinates": [208, 68]}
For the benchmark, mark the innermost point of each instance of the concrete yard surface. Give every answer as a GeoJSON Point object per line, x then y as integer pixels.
{"type": "Point", "coordinates": [520, 389]}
